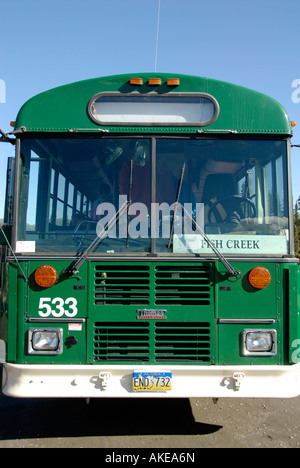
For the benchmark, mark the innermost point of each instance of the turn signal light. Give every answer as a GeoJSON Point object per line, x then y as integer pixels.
{"type": "Point", "coordinates": [136, 81]}
{"type": "Point", "coordinates": [259, 277]}
{"type": "Point", "coordinates": [45, 276]}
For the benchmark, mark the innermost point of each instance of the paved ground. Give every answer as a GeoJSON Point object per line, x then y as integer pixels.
{"type": "Point", "coordinates": [149, 423]}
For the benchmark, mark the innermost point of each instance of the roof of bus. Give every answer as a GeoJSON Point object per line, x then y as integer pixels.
{"type": "Point", "coordinates": [242, 110]}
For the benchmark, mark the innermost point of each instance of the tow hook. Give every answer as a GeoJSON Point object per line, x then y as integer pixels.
{"type": "Point", "coordinates": [104, 377]}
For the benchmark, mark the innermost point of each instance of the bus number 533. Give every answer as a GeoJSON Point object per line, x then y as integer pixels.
{"type": "Point", "coordinates": [67, 307]}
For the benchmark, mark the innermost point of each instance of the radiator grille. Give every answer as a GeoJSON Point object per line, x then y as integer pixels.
{"type": "Point", "coordinates": [125, 341]}
{"type": "Point", "coordinates": [182, 285]}
{"type": "Point", "coordinates": [182, 341]}
{"type": "Point", "coordinates": [132, 341]}
{"type": "Point", "coordinates": [125, 285]}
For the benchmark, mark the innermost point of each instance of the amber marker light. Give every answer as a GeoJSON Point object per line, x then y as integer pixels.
{"type": "Point", "coordinates": [155, 81]}
{"type": "Point", "coordinates": [173, 82]}
{"type": "Point", "coordinates": [136, 81]}
{"type": "Point", "coordinates": [45, 276]}
{"type": "Point", "coordinates": [259, 277]}
{"type": "Point", "coordinates": [293, 123]}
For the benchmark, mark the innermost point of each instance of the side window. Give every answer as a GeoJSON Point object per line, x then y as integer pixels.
{"type": "Point", "coordinates": [67, 204]}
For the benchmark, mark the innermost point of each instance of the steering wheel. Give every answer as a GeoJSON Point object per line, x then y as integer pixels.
{"type": "Point", "coordinates": [236, 208]}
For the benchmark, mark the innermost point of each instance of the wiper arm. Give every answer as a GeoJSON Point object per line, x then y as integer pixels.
{"type": "Point", "coordinates": [74, 267]}
{"type": "Point", "coordinates": [176, 204]}
{"type": "Point", "coordinates": [14, 255]}
{"type": "Point", "coordinates": [130, 200]}
{"type": "Point", "coordinates": [232, 271]}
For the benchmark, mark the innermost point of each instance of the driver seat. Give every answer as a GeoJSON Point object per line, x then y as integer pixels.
{"type": "Point", "coordinates": [218, 187]}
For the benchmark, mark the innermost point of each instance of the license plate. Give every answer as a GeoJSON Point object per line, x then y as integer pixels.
{"type": "Point", "coordinates": [152, 381]}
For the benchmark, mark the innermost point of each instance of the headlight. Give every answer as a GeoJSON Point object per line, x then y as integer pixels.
{"type": "Point", "coordinates": [259, 342]}
{"type": "Point", "coordinates": [45, 340]}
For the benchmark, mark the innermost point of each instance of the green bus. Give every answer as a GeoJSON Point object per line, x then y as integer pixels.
{"type": "Point", "coordinates": [148, 243]}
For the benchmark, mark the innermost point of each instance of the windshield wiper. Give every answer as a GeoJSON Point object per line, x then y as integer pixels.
{"type": "Point", "coordinates": [73, 269]}
{"type": "Point", "coordinates": [232, 271]}
{"type": "Point", "coordinates": [176, 204]}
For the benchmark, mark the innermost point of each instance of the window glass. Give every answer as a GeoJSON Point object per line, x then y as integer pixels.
{"type": "Point", "coordinates": [233, 191]}
{"type": "Point", "coordinates": [154, 110]}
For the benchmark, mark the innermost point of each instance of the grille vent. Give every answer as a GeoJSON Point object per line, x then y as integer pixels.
{"type": "Point", "coordinates": [182, 285]}
{"type": "Point", "coordinates": [125, 341]}
{"type": "Point", "coordinates": [125, 285]}
{"type": "Point", "coordinates": [173, 342]}
{"type": "Point", "coordinates": [182, 341]}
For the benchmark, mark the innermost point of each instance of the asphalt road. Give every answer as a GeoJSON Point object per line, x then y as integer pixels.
{"type": "Point", "coordinates": [149, 423]}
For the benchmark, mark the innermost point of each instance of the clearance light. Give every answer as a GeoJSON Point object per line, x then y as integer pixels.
{"type": "Point", "coordinates": [155, 81]}
{"type": "Point", "coordinates": [12, 123]}
{"type": "Point", "coordinates": [293, 123]}
{"type": "Point", "coordinates": [259, 277]}
{"type": "Point", "coordinates": [173, 82]}
{"type": "Point", "coordinates": [136, 81]}
{"type": "Point", "coordinates": [45, 276]}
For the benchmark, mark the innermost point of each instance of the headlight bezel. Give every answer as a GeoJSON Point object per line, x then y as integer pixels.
{"type": "Point", "coordinates": [51, 349]}
{"type": "Point", "coordinates": [259, 351]}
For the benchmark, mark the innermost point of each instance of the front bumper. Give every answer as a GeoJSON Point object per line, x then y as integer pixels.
{"type": "Point", "coordinates": [116, 381]}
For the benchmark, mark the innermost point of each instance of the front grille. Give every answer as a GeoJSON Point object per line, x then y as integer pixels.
{"type": "Point", "coordinates": [182, 285]}
{"type": "Point", "coordinates": [123, 285]}
{"type": "Point", "coordinates": [165, 342]}
{"type": "Point", "coordinates": [121, 341]}
{"type": "Point", "coordinates": [126, 293]}
{"type": "Point", "coordinates": [182, 341]}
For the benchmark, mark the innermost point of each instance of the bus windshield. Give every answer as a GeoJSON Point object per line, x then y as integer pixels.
{"type": "Point", "coordinates": [234, 189]}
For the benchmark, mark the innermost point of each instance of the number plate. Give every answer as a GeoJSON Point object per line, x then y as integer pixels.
{"type": "Point", "coordinates": [152, 381]}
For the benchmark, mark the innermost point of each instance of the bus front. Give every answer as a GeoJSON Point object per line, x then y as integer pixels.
{"type": "Point", "coordinates": [151, 244]}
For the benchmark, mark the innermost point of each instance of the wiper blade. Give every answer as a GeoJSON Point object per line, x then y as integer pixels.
{"type": "Point", "coordinates": [176, 204]}
{"type": "Point", "coordinates": [130, 200]}
{"type": "Point", "coordinates": [74, 267]}
{"type": "Point", "coordinates": [231, 270]}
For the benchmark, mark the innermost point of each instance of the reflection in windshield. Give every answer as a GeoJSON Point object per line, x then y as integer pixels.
{"type": "Point", "coordinates": [235, 189]}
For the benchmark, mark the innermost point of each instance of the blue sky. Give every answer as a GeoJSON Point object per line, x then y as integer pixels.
{"type": "Point", "coordinates": [44, 44]}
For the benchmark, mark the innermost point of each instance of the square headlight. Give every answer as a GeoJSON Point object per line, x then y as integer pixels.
{"type": "Point", "coordinates": [259, 342]}
{"type": "Point", "coordinates": [45, 340]}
